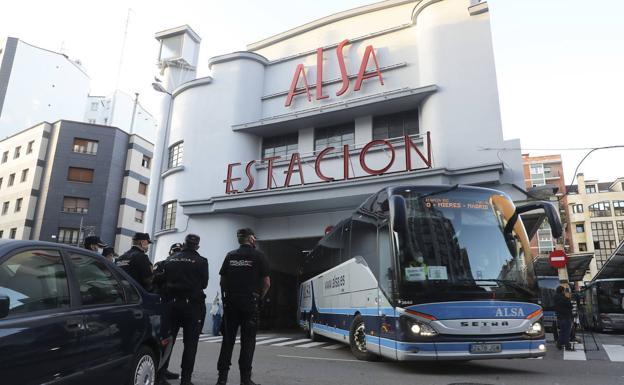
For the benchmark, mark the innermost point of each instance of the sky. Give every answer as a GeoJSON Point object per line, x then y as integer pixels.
{"type": "Point", "coordinates": [559, 63]}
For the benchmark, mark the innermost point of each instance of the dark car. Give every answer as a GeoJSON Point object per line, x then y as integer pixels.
{"type": "Point", "coordinates": [69, 316]}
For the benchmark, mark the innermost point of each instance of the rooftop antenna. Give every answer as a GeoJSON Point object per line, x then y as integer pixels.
{"type": "Point", "coordinates": [120, 65]}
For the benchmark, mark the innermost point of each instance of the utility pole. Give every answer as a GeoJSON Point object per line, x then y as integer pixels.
{"type": "Point", "coordinates": [136, 102]}
{"type": "Point", "coordinates": [120, 65]}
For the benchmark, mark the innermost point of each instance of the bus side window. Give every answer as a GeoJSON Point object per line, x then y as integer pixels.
{"type": "Point", "coordinates": [386, 272]}
{"type": "Point", "coordinates": [345, 254]}
{"type": "Point", "coordinates": [364, 241]}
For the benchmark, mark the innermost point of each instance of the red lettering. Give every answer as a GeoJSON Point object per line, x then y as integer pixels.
{"type": "Point", "coordinates": [345, 163]}
{"type": "Point", "coordinates": [317, 165]}
{"type": "Point", "coordinates": [293, 86]}
{"type": "Point", "coordinates": [294, 158]}
{"type": "Point", "coordinates": [270, 170]}
{"type": "Point", "coordinates": [408, 153]}
{"type": "Point", "coordinates": [229, 186]}
{"type": "Point", "coordinates": [362, 74]}
{"type": "Point", "coordinates": [343, 68]}
{"type": "Point", "coordinates": [319, 75]}
{"type": "Point", "coordinates": [364, 151]}
{"type": "Point", "coordinates": [249, 175]}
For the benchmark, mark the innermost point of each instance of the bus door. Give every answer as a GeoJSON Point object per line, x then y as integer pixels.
{"type": "Point", "coordinates": [387, 314]}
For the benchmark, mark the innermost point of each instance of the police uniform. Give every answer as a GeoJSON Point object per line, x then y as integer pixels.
{"type": "Point", "coordinates": [243, 272]}
{"type": "Point", "coordinates": [137, 264]}
{"type": "Point", "coordinates": [186, 277]}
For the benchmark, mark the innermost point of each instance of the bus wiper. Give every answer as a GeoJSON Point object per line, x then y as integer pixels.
{"type": "Point", "coordinates": [439, 192]}
{"type": "Point", "coordinates": [509, 283]}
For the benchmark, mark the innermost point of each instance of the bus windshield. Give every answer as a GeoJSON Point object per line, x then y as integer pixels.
{"type": "Point", "coordinates": [456, 249]}
{"type": "Point", "coordinates": [610, 296]}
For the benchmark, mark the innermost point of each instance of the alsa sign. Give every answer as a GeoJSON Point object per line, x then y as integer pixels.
{"type": "Point", "coordinates": [295, 165]}
{"type": "Point", "coordinates": [362, 74]}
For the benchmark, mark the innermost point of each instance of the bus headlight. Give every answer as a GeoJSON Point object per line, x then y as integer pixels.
{"type": "Point", "coordinates": [422, 330]}
{"type": "Point", "coordinates": [535, 329]}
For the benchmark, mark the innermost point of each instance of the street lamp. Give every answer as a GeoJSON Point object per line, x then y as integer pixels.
{"type": "Point", "coordinates": [159, 88]}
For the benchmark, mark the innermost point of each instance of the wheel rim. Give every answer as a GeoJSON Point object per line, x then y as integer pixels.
{"type": "Point", "coordinates": [359, 338]}
{"type": "Point", "coordinates": [145, 371]}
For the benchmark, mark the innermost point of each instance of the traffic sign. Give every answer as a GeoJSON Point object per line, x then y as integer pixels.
{"type": "Point", "coordinates": [558, 259]}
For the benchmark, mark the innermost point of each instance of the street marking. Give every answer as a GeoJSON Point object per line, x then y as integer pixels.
{"type": "Point", "coordinates": [293, 342]}
{"type": "Point", "coordinates": [576, 355]}
{"type": "Point", "coordinates": [311, 344]}
{"type": "Point", "coordinates": [320, 358]}
{"type": "Point", "coordinates": [211, 339]}
{"type": "Point", "coordinates": [615, 352]}
{"type": "Point", "coordinates": [238, 340]}
{"type": "Point", "coordinates": [336, 346]}
{"type": "Point", "coordinates": [272, 340]}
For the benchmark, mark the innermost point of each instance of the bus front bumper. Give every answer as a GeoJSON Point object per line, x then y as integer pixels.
{"type": "Point", "coordinates": [459, 351]}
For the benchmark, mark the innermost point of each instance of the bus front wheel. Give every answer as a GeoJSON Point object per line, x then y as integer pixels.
{"type": "Point", "coordinates": [357, 340]}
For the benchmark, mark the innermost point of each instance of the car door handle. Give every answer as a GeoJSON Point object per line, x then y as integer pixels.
{"type": "Point", "coordinates": [138, 314]}
{"type": "Point", "coordinates": [74, 324]}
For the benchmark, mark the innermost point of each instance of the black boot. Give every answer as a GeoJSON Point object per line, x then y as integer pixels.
{"type": "Point", "coordinates": [170, 375]}
{"type": "Point", "coordinates": [222, 380]}
{"type": "Point", "coordinates": [246, 379]}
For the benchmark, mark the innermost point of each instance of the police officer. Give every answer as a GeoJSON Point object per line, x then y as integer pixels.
{"type": "Point", "coordinates": [93, 243]}
{"type": "Point", "coordinates": [186, 277]}
{"type": "Point", "coordinates": [136, 263]}
{"type": "Point", "coordinates": [244, 282]}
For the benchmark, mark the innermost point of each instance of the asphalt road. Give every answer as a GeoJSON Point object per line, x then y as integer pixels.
{"type": "Point", "coordinates": [302, 362]}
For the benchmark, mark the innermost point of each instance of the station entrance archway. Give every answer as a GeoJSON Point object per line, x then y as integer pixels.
{"type": "Point", "coordinates": [286, 258]}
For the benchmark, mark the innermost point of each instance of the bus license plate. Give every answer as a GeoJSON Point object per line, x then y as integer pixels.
{"type": "Point", "coordinates": [485, 348]}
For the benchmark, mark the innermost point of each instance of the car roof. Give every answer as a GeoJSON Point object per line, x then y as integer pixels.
{"type": "Point", "coordinates": [8, 245]}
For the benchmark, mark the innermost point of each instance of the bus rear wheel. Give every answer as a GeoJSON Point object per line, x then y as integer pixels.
{"type": "Point", "coordinates": [357, 340]}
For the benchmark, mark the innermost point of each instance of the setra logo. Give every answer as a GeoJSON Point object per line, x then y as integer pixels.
{"type": "Point", "coordinates": [509, 312]}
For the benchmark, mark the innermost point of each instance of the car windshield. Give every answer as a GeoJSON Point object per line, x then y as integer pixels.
{"type": "Point", "coordinates": [456, 240]}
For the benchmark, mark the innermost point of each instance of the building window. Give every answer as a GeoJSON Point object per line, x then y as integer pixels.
{"type": "Point", "coordinates": [69, 236]}
{"type": "Point", "coordinates": [618, 208]}
{"type": "Point", "coordinates": [94, 106]}
{"type": "Point", "coordinates": [77, 174]}
{"type": "Point", "coordinates": [577, 209]}
{"type": "Point", "coordinates": [11, 180]}
{"type": "Point", "coordinates": [0, 182]}
{"type": "Point", "coordinates": [580, 227]}
{"type": "Point", "coordinates": [146, 162]}
{"type": "Point", "coordinates": [282, 145]}
{"type": "Point", "coordinates": [29, 149]}
{"type": "Point", "coordinates": [545, 242]}
{"type": "Point", "coordinates": [85, 146]}
{"type": "Point", "coordinates": [169, 215]}
{"type": "Point", "coordinates": [18, 204]}
{"type": "Point", "coordinates": [395, 125]}
{"type": "Point", "coordinates": [24, 175]}
{"type": "Point", "coordinates": [16, 154]}
{"type": "Point", "coordinates": [334, 136]}
{"type": "Point", "coordinates": [1, 233]}
{"type": "Point", "coordinates": [604, 241]}
{"type": "Point", "coordinates": [5, 156]}
{"type": "Point", "coordinates": [582, 246]}
{"type": "Point", "coordinates": [537, 169]}
{"type": "Point", "coordinates": [5, 208]}
{"type": "Point", "coordinates": [600, 209]}
{"type": "Point", "coordinates": [590, 189]}
{"type": "Point", "coordinates": [13, 233]}
{"type": "Point", "coordinates": [91, 121]}
{"type": "Point", "coordinates": [75, 205]}
{"type": "Point", "coordinates": [142, 188]}
{"type": "Point", "coordinates": [138, 216]}
{"type": "Point", "coordinates": [620, 230]}
{"type": "Point", "coordinates": [175, 155]}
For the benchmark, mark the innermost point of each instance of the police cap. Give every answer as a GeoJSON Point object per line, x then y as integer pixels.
{"type": "Point", "coordinates": [141, 237]}
{"type": "Point", "coordinates": [94, 240]}
{"type": "Point", "coordinates": [246, 232]}
{"type": "Point", "coordinates": [175, 247]}
{"type": "Point", "coordinates": [192, 239]}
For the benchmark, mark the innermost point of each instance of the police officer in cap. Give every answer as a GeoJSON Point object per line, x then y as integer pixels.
{"type": "Point", "coordinates": [244, 282]}
{"type": "Point", "coordinates": [186, 277]}
{"type": "Point", "coordinates": [93, 243]}
{"type": "Point", "coordinates": [136, 263]}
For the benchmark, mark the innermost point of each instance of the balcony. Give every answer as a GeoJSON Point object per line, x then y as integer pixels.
{"type": "Point", "coordinates": [76, 210]}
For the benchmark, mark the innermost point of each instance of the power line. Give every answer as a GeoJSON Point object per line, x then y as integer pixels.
{"type": "Point", "coordinates": [544, 149]}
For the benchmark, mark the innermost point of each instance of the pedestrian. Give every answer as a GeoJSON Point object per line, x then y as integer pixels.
{"type": "Point", "coordinates": [563, 308]}
{"type": "Point", "coordinates": [244, 282]}
{"type": "Point", "coordinates": [109, 253]}
{"type": "Point", "coordinates": [93, 243]}
{"type": "Point", "coordinates": [160, 287]}
{"type": "Point", "coordinates": [215, 312]}
{"type": "Point", "coordinates": [136, 263]}
{"type": "Point", "coordinates": [186, 277]}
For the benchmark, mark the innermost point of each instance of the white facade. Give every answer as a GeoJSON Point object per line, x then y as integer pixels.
{"type": "Point", "coordinates": [117, 111]}
{"type": "Point", "coordinates": [435, 57]}
{"type": "Point", "coordinates": [38, 85]}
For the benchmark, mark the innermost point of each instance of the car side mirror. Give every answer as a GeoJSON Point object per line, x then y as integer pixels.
{"type": "Point", "coordinates": [5, 303]}
{"type": "Point", "coordinates": [551, 214]}
{"type": "Point", "coordinates": [398, 211]}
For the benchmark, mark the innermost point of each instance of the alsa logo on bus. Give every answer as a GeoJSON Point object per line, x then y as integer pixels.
{"type": "Point", "coordinates": [362, 74]}
{"type": "Point", "coordinates": [509, 312]}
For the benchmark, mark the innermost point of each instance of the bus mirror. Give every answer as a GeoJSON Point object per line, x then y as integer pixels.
{"type": "Point", "coordinates": [398, 211]}
{"type": "Point", "coordinates": [5, 303]}
{"type": "Point", "coordinates": [551, 214]}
